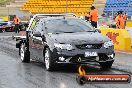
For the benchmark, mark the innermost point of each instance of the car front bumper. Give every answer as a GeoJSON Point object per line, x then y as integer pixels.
{"type": "Point", "coordinates": [78, 55]}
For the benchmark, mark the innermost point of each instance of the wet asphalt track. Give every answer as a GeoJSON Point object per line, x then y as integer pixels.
{"type": "Point", "coordinates": [14, 74]}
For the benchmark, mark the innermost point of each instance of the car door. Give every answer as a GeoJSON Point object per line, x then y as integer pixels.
{"type": "Point", "coordinates": [36, 43]}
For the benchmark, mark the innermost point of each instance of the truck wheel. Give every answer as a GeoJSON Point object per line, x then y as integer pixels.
{"type": "Point", "coordinates": [106, 65]}
{"type": "Point", "coordinates": [25, 54]}
{"type": "Point", "coordinates": [49, 64]}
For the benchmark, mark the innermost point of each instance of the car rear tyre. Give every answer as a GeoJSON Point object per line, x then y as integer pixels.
{"type": "Point", "coordinates": [106, 65]}
{"type": "Point", "coordinates": [3, 30]}
{"type": "Point", "coordinates": [24, 54]}
{"type": "Point", "coordinates": [49, 64]}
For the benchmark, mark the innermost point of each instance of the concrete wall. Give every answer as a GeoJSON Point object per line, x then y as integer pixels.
{"type": "Point", "coordinates": [99, 4]}
{"type": "Point", "coordinates": [4, 11]}
{"type": "Point", "coordinates": [13, 8]}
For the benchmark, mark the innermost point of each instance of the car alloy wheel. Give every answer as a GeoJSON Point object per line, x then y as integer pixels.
{"type": "Point", "coordinates": [22, 51]}
{"type": "Point", "coordinates": [47, 57]}
{"type": "Point", "coordinates": [3, 30]}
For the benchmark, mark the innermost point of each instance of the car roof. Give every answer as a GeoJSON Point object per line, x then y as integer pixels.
{"type": "Point", "coordinates": [49, 17]}
{"type": "Point", "coordinates": [55, 18]}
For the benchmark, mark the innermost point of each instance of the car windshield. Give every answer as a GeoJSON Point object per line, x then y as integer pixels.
{"type": "Point", "coordinates": [68, 26]}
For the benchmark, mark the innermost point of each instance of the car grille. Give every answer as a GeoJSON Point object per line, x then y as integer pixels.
{"type": "Point", "coordinates": [89, 46]}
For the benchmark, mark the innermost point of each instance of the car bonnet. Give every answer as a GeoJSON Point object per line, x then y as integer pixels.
{"type": "Point", "coordinates": [79, 38]}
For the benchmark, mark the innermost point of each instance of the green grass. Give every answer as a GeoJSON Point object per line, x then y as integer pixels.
{"type": "Point", "coordinates": [3, 1]}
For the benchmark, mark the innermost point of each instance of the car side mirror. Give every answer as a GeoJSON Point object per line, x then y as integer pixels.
{"type": "Point", "coordinates": [46, 28]}
{"type": "Point", "coordinates": [43, 38]}
{"type": "Point", "coordinates": [98, 30]}
{"type": "Point", "coordinates": [37, 34]}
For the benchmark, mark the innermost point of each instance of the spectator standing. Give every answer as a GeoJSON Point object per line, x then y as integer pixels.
{"type": "Point", "coordinates": [16, 21]}
{"type": "Point", "coordinates": [120, 21]}
{"type": "Point", "coordinates": [115, 15]}
{"type": "Point", "coordinates": [88, 17]}
{"type": "Point", "coordinates": [125, 19]}
{"type": "Point", "coordinates": [94, 16]}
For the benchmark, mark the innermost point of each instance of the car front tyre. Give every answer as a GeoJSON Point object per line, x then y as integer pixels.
{"type": "Point", "coordinates": [49, 64]}
{"type": "Point", "coordinates": [24, 54]}
{"type": "Point", "coordinates": [106, 65]}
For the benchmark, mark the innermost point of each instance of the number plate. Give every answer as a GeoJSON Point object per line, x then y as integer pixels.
{"type": "Point", "coordinates": [89, 54]}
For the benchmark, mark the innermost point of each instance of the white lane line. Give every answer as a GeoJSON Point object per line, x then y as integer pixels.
{"type": "Point", "coordinates": [123, 52]}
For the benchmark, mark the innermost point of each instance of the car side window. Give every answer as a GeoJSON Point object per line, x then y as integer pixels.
{"type": "Point", "coordinates": [38, 28]}
{"type": "Point", "coordinates": [33, 25]}
{"type": "Point", "coordinates": [43, 27]}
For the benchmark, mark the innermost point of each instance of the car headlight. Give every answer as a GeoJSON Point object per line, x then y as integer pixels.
{"type": "Point", "coordinates": [108, 44]}
{"type": "Point", "coordinates": [64, 46]}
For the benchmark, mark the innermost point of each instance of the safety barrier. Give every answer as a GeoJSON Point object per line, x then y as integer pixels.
{"type": "Point", "coordinates": [120, 38]}
{"type": "Point", "coordinates": [4, 18]}
{"type": "Point", "coordinates": [129, 23]}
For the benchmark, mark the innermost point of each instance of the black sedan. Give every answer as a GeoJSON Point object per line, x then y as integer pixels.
{"type": "Point", "coordinates": [57, 40]}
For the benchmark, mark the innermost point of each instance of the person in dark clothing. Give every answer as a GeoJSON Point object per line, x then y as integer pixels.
{"type": "Point", "coordinates": [87, 17]}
